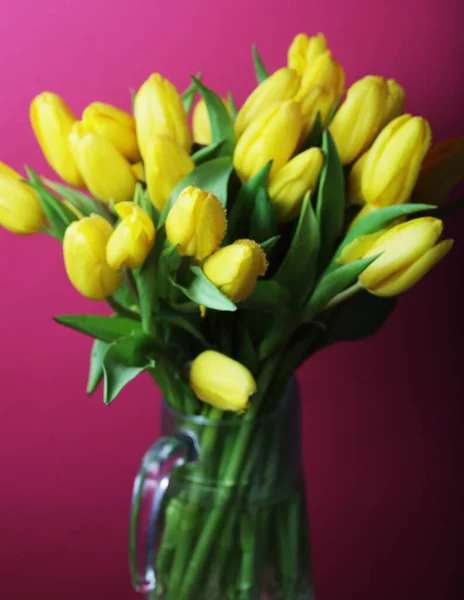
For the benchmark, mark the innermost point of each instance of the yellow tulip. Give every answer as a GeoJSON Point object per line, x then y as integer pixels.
{"type": "Point", "coordinates": [394, 161]}
{"type": "Point", "coordinates": [20, 209]}
{"type": "Point", "coordinates": [354, 192]}
{"type": "Point", "coordinates": [442, 170]}
{"type": "Point", "coordinates": [107, 174]}
{"type": "Point", "coordinates": [395, 102]}
{"type": "Point", "coordinates": [201, 126]}
{"type": "Point", "coordinates": [221, 381]}
{"type": "Point", "coordinates": [166, 164]}
{"type": "Point", "coordinates": [272, 136]}
{"type": "Point", "coordinates": [158, 108]}
{"type": "Point", "coordinates": [304, 49]}
{"type": "Point", "coordinates": [318, 100]}
{"type": "Point", "coordinates": [132, 240]}
{"type": "Point", "coordinates": [359, 118]}
{"type": "Point", "coordinates": [324, 71]}
{"type": "Point", "coordinates": [115, 125]}
{"type": "Point", "coordinates": [289, 185]}
{"type": "Point", "coordinates": [196, 223]}
{"type": "Point", "coordinates": [51, 120]}
{"type": "Point", "coordinates": [407, 252]}
{"type": "Point", "coordinates": [235, 269]}
{"type": "Point", "coordinates": [138, 170]}
{"type": "Point", "coordinates": [84, 250]}
{"type": "Point", "coordinates": [281, 85]}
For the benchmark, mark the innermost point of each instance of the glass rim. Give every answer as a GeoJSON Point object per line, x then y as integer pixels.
{"type": "Point", "coordinates": [201, 420]}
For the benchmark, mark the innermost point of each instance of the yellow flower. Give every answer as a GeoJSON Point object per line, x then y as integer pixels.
{"type": "Point", "coordinates": [51, 120]}
{"type": "Point", "coordinates": [84, 250]}
{"type": "Point", "coordinates": [20, 209]}
{"type": "Point", "coordinates": [235, 269]}
{"type": "Point", "coordinates": [318, 100]}
{"type": "Point", "coordinates": [166, 163]}
{"type": "Point", "coordinates": [395, 102]}
{"type": "Point", "coordinates": [281, 85]}
{"type": "Point", "coordinates": [304, 49]}
{"type": "Point", "coordinates": [289, 185]}
{"type": "Point", "coordinates": [197, 223]}
{"type": "Point", "coordinates": [132, 240]}
{"type": "Point", "coordinates": [359, 118]}
{"type": "Point", "coordinates": [354, 192]}
{"type": "Point", "coordinates": [107, 174]}
{"type": "Point", "coordinates": [324, 71]}
{"type": "Point", "coordinates": [407, 252]}
{"type": "Point", "coordinates": [394, 161]}
{"type": "Point", "coordinates": [221, 381]}
{"type": "Point", "coordinates": [138, 171]}
{"type": "Point", "coordinates": [272, 136]}
{"type": "Point", "coordinates": [115, 125]}
{"type": "Point", "coordinates": [201, 126]}
{"type": "Point", "coordinates": [443, 168]}
{"type": "Point", "coordinates": [158, 108]}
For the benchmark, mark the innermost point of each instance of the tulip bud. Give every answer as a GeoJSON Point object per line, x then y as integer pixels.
{"type": "Point", "coordinates": [304, 50]}
{"type": "Point", "coordinates": [20, 209]}
{"type": "Point", "coordinates": [318, 100]}
{"type": "Point", "coordinates": [84, 250]}
{"type": "Point", "coordinates": [166, 163]}
{"type": "Point", "coordinates": [138, 171]}
{"type": "Point", "coordinates": [442, 170]}
{"type": "Point", "coordinates": [358, 119]}
{"type": "Point", "coordinates": [235, 269]}
{"type": "Point", "coordinates": [196, 223]}
{"type": "Point", "coordinates": [394, 161]}
{"type": "Point", "coordinates": [324, 71]}
{"type": "Point", "coordinates": [407, 252]}
{"type": "Point", "coordinates": [201, 126]}
{"type": "Point", "coordinates": [289, 185]}
{"type": "Point", "coordinates": [158, 108]}
{"type": "Point", "coordinates": [354, 191]}
{"type": "Point", "coordinates": [395, 102]}
{"type": "Point", "coordinates": [221, 381]}
{"type": "Point", "coordinates": [107, 174]}
{"type": "Point", "coordinates": [132, 240]}
{"type": "Point", "coordinates": [115, 125]}
{"type": "Point", "coordinates": [281, 85]}
{"type": "Point", "coordinates": [51, 120]}
{"type": "Point", "coordinates": [272, 136]}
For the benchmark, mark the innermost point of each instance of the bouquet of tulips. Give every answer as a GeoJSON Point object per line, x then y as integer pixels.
{"type": "Point", "coordinates": [283, 227]}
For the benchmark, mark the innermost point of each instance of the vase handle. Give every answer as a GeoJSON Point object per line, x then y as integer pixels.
{"type": "Point", "coordinates": [150, 485]}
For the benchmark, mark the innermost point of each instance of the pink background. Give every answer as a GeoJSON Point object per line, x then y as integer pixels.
{"type": "Point", "coordinates": [383, 437]}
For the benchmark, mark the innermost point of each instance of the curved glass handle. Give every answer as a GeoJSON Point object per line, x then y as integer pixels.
{"type": "Point", "coordinates": [150, 485]}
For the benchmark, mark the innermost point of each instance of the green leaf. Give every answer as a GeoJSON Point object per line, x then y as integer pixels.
{"type": "Point", "coordinates": [263, 223]}
{"type": "Point", "coordinates": [330, 207]}
{"type": "Point", "coordinates": [333, 110]}
{"type": "Point", "coordinates": [267, 245]}
{"type": "Point", "coordinates": [146, 279]}
{"type": "Point", "coordinates": [246, 351]}
{"type": "Point", "coordinates": [83, 203]}
{"type": "Point", "coordinates": [260, 69]}
{"type": "Point", "coordinates": [99, 349]}
{"type": "Point", "coordinates": [314, 138]}
{"type": "Point", "coordinates": [190, 324]}
{"type": "Point", "coordinates": [124, 360]}
{"type": "Point", "coordinates": [170, 258]}
{"type": "Point", "coordinates": [124, 297]}
{"type": "Point", "coordinates": [333, 283]}
{"type": "Point", "coordinates": [195, 285]}
{"type": "Point", "coordinates": [207, 153]}
{"type": "Point", "coordinates": [297, 272]}
{"type": "Point", "coordinates": [212, 176]}
{"type": "Point", "coordinates": [188, 97]}
{"type": "Point", "coordinates": [269, 297]}
{"type": "Point", "coordinates": [232, 106]}
{"type": "Point", "coordinates": [107, 329]}
{"type": "Point", "coordinates": [222, 126]}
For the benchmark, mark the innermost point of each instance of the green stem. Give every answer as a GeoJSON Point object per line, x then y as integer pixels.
{"type": "Point", "coordinates": [131, 285]}
{"type": "Point", "coordinates": [342, 296]}
{"type": "Point", "coordinates": [122, 310]}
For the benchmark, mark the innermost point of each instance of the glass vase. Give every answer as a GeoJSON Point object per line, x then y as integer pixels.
{"type": "Point", "coordinates": [219, 511]}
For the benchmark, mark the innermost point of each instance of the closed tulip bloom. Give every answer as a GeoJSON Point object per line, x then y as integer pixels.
{"type": "Point", "coordinates": [84, 250]}
{"type": "Point", "coordinates": [394, 161]}
{"type": "Point", "coordinates": [325, 71]}
{"type": "Point", "coordinates": [304, 49]}
{"type": "Point", "coordinates": [51, 120]}
{"type": "Point", "coordinates": [281, 85]}
{"type": "Point", "coordinates": [138, 171]}
{"type": "Point", "coordinates": [196, 223]}
{"type": "Point", "coordinates": [395, 102]}
{"type": "Point", "coordinates": [201, 125]}
{"type": "Point", "coordinates": [354, 192]}
{"type": "Point", "coordinates": [272, 136]}
{"type": "Point", "coordinates": [158, 108]}
{"type": "Point", "coordinates": [442, 170]}
{"type": "Point", "coordinates": [221, 381]}
{"type": "Point", "coordinates": [407, 252]}
{"type": "Point", "coordinates": [359, 118]}
{"type": "Point", "coordinates": [166, 163]}
{"type": "Point", "coordinates": [289, 185]}
{"type": "Point", "coordinates": [235, 269]}
{"type": "Point", "coordinates": [107, 174]}
{"type": "Point", "coordinates": [115, 125]}
{"type": "Point", "coordinates": [133, 238]}
{"type": "Point", "coordinates": [318, 100]}
{"type": "Point", "coordinates": [20, 209]}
